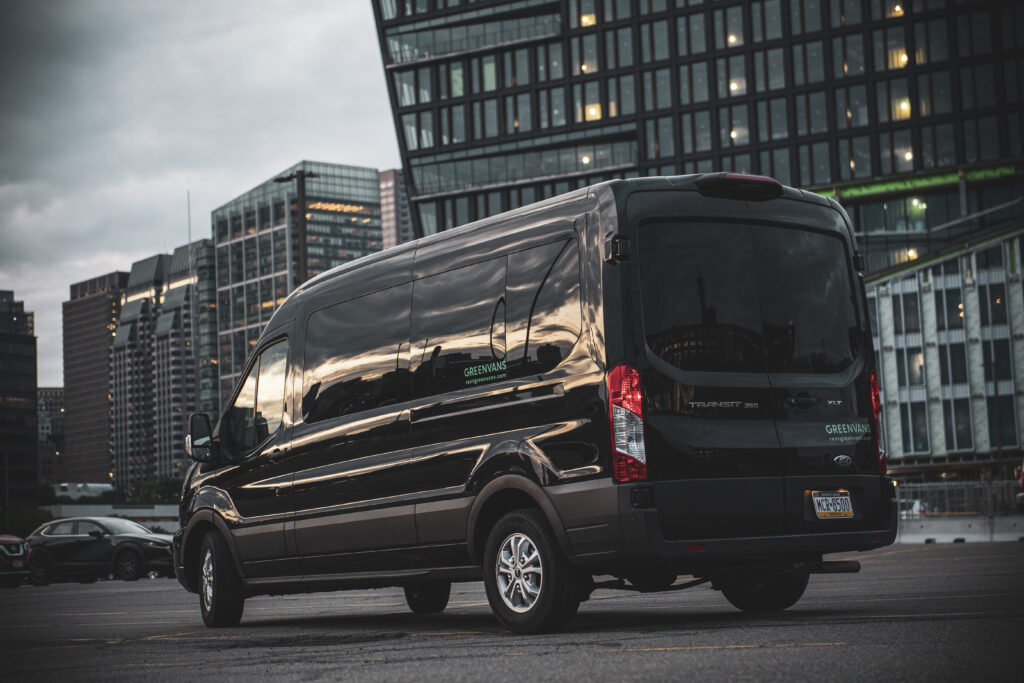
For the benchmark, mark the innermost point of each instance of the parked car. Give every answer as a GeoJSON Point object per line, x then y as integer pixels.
{"type": "Point", "coordinates": [88, 548]}
{"type": "Point", "coordinates": [14, 556]}
{"type": "Point", "coordinates": [646, 378]}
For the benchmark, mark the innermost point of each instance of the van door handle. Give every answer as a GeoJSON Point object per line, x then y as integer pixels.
{"type": "Point", "coordinates": [801, 401]}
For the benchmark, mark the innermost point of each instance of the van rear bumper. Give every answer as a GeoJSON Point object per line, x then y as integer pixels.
{"type": "Point", "coordinates": [630, 533]}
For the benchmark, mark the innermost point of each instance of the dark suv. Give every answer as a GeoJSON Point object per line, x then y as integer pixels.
{"type": "Point", "coordinates": [645, 379]}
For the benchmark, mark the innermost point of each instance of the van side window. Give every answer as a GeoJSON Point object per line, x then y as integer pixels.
{"type": "Point", "coordinates": [259, 408]}
{"type": "Point", "coordinates": [458, 328]}
{"type": "Point", "coordinates": [543, 307]}
{"type": "Point", "coordinates": [355, 355]}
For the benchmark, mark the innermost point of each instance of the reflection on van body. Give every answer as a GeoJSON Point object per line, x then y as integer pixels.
{"type": "Point", "coordinates": [644, 378]}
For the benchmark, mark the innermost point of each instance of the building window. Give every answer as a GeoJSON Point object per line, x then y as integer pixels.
{"type": "Point", "coordinates": [845, 12]}
{"type": "Point", "coordinates": [551, 107]}
{"type": "Point", "coordinates": [934, 94]}
{"type": "Point", "coordinates": [848, 55]}
{"type": "Point", "coordinates": [772, 120]}
{"type": "Point", "coordinates": [974, 34]}
{"type": "Point", "coordinates": [808, 63]}
{"type": "Point", "coordinates": [981, 139]}
{"type": "Point", "coordinates": [952, 364]}
{"type": "Point", "coordinates": [893, 100]}
{"type": "Point", "coordinates": [616, 9]}
{"type": "Point", "coordinates": [914, 427]}
{"type": "Point", "coordinates": [693, 83]}
{"type": "Point", "coordinates": [956, 415]}
{"type": "Point", "coordinates": [582, 13]}
{"type": "Point", "coordinates": [654, 45]}
{"type": "Point", "coordinates": [938, 146]}
{"type": "Point", "coordinates": [890, 49]}
{"type": "Point", "coordinates": [549, 62]}
{"type": "Point", "coordinates": [996, 354]}
{"type": "Point", "coordinates": [766, 20]}
{"type": "Point", "coordinates": [728, 26]}
{"type": "Point", "coordinates": [769, 70]}
{"type": "Point", "coordinates": [855, 158]}
{"type": "Point", "coordinates": [696, 131]}
{"type": "Point", "coordinates": [896, 152]}
{"type": "Point", "coordinates": [618, 47]}
{"type": "Point", "coordinates": [949, 309]}
{"type": "Point", "coordinates": [621, 96]}
{"type": "Point", "coordinates": [1002, 428]}
{"type": "Point", "coordinates": [992, 300]}
{"type": "Point", "coordinates": [775, 163]}
{"type": "Point", "coordinates": [584, 54]}
{"type": "Point", "coordinates": [734, 126]}
{"type": "Point", "coordinates": [517, 68]}
{"type": "Point", "coordinates": [977, 87]}
{"type": "Point", "coordinates": [851, 107]}
{"type": "Point", "coordinates": [736, 163]}
{"type": "Point", "coordinates": [805, 16]}
{"type": "Point", "coordinates": [931, 42]}
{"type": "Point", "coordinates": [811, 113]}
{"type": "Point", "coordinates": [910, 366]}
{"type": "Point", "coordinates": [587, 100]}
{"type": "Point", "coordinates": [657, 89]}
{"type": "Point", "coordinates": [732, 77]}
{"type": "Point", "coordinates": [814, 164]}
{"type": "Point", "coordinates": [906, 313]}
{"type": "Point", "coordinates": [690, 35]}
{"type": "Point", "coordinates": [518, 113]}
{"type": "Point", "coordinates": [660, 138]}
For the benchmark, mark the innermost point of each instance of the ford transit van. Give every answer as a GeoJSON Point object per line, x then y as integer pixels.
{"type": "Point", "coordinates": [645, 384]}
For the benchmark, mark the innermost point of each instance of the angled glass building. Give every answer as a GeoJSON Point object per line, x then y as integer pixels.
{"type": "Point", "coordinates": [265, 247]}
{"type": "Point", "coordinates": [909, 112]}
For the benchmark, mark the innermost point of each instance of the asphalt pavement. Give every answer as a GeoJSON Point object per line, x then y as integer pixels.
{"type": "Point", "coordinates": [918, 613]}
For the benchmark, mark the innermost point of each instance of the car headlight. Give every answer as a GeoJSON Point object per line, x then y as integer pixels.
{"type": "Point", "coordinates": [157, 544]}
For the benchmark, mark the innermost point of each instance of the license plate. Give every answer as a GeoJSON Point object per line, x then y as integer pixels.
{"type": "Point", "coordinates": [18, 563]}
{"type": "Point", "coordinates": [832, 504]}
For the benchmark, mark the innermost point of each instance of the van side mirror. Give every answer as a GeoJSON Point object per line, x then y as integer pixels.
{"type": "Point", "coordinates": [199, 443]}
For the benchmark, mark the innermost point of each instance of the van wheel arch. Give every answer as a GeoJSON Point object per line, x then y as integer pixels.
{"type": "Point", "coordinates": [202, 523]}
{"type": "Point", "coordinates": [501, 496]}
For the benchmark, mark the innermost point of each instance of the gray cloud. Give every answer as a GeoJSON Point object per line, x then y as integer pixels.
{"type": "Point", "coordinates": [109, 111]}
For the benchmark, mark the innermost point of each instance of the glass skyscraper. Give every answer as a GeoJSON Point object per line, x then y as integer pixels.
{"type": "Point", "coordinates": [260, 256]}
{"type": "Point", "coordinates": [909, 112]}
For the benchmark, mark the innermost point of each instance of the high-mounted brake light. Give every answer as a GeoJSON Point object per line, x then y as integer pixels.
{"type": "Point", "coordinates": [625, 401]}
{"type": "Point", "coordinates": [739, 186]}
{"type": "Point", "coordinates": [876, 412]}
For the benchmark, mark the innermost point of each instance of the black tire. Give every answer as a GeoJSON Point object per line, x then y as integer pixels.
{"type": "Point", "coordinates": [221, 599]}
{"type": "Point", "coordinates": [428, 597]}
{"type": "Point", "coordinates": [127, 566]}
{"type": "Point", "coordinates": [41, 570]}
{"type": "Point", "coordinates": [547, 576]}
{"type": "Point", "coordinates": [764, 592]}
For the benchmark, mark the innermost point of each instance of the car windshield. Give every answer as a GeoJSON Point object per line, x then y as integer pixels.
{"type": "Point", "coordinates": [125, 526]}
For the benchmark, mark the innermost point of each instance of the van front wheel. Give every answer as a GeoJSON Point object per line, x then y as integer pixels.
{"type": "Point", "coordinates": [529, 581]}
{"type": "Point", "coordinates": [764, 592]}
{"type": "Point", "coordinates": [221, 599]}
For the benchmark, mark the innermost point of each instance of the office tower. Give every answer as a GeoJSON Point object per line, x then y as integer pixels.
{"type": "Point", "coordinates": [52, 458]}
{"type": "Point", "coordinates": [265, 246]}
{"type": "Point", "coordinates": [89, 321]}
{"type": "Point", "coordinates": [18, 436]}
{"type": "Point", "coordinates": [395, 218]}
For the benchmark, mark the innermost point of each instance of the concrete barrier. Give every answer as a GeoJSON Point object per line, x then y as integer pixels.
{"type": "Point", "coordinates": [960, 529]}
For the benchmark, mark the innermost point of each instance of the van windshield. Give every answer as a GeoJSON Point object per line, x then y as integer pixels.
{"type": "Point", "coordinates": [747, 298]}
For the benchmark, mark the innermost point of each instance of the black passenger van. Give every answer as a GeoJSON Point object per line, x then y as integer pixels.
{"type": "Point", "coordinates": [636, 381]}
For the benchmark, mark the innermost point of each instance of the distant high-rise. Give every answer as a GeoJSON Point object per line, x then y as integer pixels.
{"type": "Point", "coordinates": [52, 458]}
{"type": "Point", "coordinates": [261, 256]}
{"type": "Point", "coordinates": [395, 218]}
{"type": "Point", "coordinates": [90, 318]}
{"type": "Point", "coordinates": [155, 366]}
{"type": "Point", "coordinates": [18, 437]}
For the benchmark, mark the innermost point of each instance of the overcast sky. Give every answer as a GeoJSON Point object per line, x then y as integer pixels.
{"type": "Point", "coordinates": [111, 110]}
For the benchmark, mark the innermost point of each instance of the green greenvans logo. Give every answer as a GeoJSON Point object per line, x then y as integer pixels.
{"type": "Point", "coordinates": [847, 431]}
{"type": "Point", "coordinates": [485, 372]}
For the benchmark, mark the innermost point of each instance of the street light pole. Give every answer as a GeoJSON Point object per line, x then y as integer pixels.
{"type": "Point", "coordinates": [299, 176]}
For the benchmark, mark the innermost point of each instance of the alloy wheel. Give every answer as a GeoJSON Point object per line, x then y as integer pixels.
{"type": "Point", "coordinates": [520, 572]}
{"type": "Point", "coordinates": [207, 580]}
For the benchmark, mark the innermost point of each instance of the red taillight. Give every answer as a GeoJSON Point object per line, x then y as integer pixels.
{"type": "Point", "coordinates": [876, 411]}
{"type": "Point", "coordinates": [625, 406]}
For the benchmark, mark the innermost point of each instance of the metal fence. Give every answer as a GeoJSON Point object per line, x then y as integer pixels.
{"type": "Point", "coordinates": [979, 498]}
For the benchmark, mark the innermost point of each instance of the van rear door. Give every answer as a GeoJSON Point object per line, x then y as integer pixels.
{"type": "Point", "coordinates": [753, 345]}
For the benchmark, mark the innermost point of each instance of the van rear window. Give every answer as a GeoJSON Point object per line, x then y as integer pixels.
{"type": "Point", "coordinates": [747, 298]}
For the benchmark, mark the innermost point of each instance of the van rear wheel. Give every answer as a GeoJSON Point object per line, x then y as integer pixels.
{"type": "Point", "coordinates": [764, 592]}
{"type": "Point", "coordinates": [428, 597]}
{"type": "Point", "coordinates": [529, 582]}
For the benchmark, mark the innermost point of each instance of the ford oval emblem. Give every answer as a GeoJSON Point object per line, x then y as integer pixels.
{"type": "Point", "coordinates": [842, 460]}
